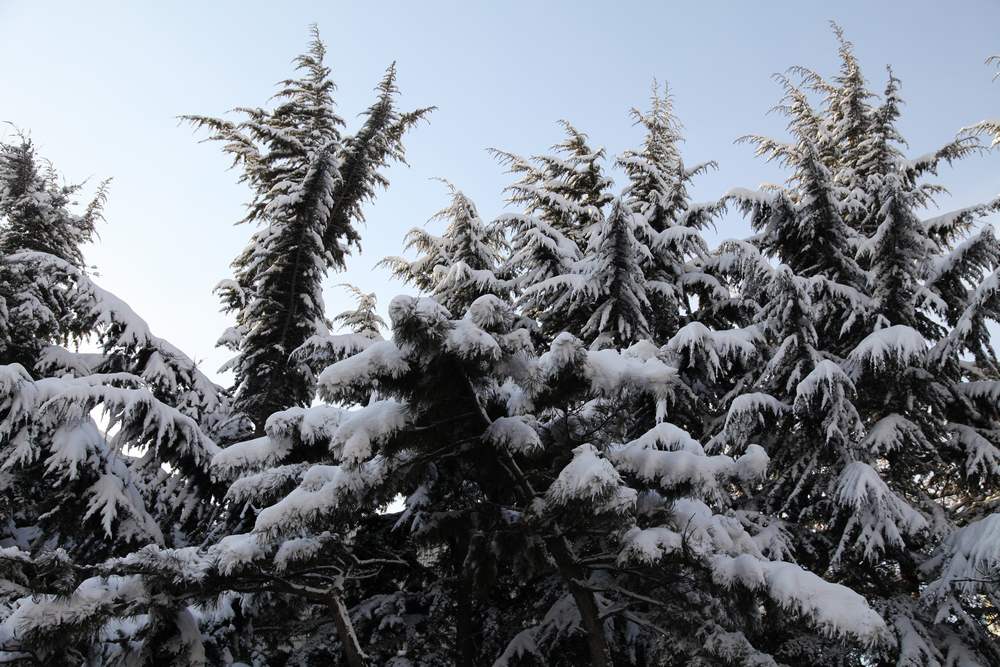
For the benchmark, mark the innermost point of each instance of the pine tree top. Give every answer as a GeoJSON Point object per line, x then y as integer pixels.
{"type": "Point", "coordinates": [363, 319]}
{"type": "Point", "coordinates": [36, 206]}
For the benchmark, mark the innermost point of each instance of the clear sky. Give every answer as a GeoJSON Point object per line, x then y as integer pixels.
{"type": "Point", "coordinates": [99, 84]}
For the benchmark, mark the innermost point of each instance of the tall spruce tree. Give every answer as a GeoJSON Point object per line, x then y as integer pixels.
{"type": "Point", "coordinates": [55, 307]}
{"type": "Point", "coordinates": [669, 224]}
{"type": "Point", "coordinates": [862, 413]}
{"type": "Point", "coordinates": [459, 266]}
{"type": "Point", "coordinates": [563, 196]}
{"type": "Point", "coordinates": [103, 452]}
{"type": "Point", "coordinates": [309, 184]}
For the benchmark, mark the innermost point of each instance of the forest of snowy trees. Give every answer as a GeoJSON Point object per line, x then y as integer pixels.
{"type": "Point", "coordinates": [583, 436]}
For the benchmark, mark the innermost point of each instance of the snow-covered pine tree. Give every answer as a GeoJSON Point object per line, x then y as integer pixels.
{"type": "Point", "coordinates": [799, 404]}
{"type": "Point", "coordinates": [459, 266]}
{"type": "Point", "coordinates": [804, 221]}
{"type": "Point", "coordinates": [289, 157]}
{"type": "Point", "coordinates": [76, 490]}
{"type": "Point", "coordinates": [308, 183]}
{"type": "Point", "coordinates": [844, 124]}
{"type": "Point", "coordinates": [606, 285]}
{"type": "Point", "coordinates": [36, 206]}
{"type": "Point", "coordinates": [805, 224]}
{"type": "Point", "coordinates": [669, 224]}
{"type": "Point", "coordinates": [566, 188]}
{"type": "Point", "coordinates": [364, 319]}
{"type": "Point", "coordinates": [36, 216]}
{"type": "Point", "coordinates": [562, 194]}
{"type": "Point", "coordinates": [600, 289]}
{"type": "Point", "coordinates": [879, 395]}
{"type": "Point", "coordinates": [54, 304]}
{"type": "Point", "coordinates": [129, 355]}
{"type": "Point", "coordinates": [53, 307]}
{"type": "Point", "coordinates": [615, 285]}
{"type": "Point", "coordinates": [802, 226]}
{"type": "Point", "coordinates": [928, 286]}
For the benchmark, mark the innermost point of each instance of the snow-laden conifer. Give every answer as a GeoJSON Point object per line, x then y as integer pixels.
{"type": "Point", "coordinates": [562, 195]}
{"type": "Point", "coordinates": [606, 287]}
{"type": "Point", "coordinates": [633, 483]}
{"type": "Point", "coordinates": [103, 451]}
{"type": "Point", "coordinates": [669, 224]}
{"type": "Point", "coordinates": [567, 188]}
{"type": "Point", "coordinates": [308, 184]}
{"type": "Point", "coordinates": [460, 265]}
{"type": "Point", "coordinates": [37, 215]}
{"type": "Point", "coordinates": [56, 306]}
{"type": "Point", "coordinates": [869, 425]}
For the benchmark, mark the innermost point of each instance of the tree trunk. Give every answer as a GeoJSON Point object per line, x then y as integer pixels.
{"type": "Point", "coordinates": [465, 650]}
{"type": "Point", "coordinates": [584, 598]}
{"type": "Point", "coordinates": [464, 628]}
{"type": "Point", "coordinates": [345, 632]}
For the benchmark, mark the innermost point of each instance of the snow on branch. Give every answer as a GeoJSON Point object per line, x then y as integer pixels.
{"type": "Point", "coordinates": [592, 478]}
{"type": "Point", "coordinates": [982, 457]}
{"type": "Point", "coordinates": [470, 342]}
{"type": "Point", "coordinates": [251, 454]}
{"type": "Point", "coordinates": [514, 434]}
{"type": "Point", "coordinates": [283, 432]}
{"type": "Point", "coordinates": [695, 528]}
{"type": "Point", "coordinates": [836, 610]}
{"type": "Point", "coordinates": [609, 372]}
{"type": "Point", "coordinates": [749, 410]}
{"type": "Point", "coordinates": [52, 617]}
{"type": "Point", "coordinates": [50, 403]}
{"type": "Point", "coordinates": [264, 487]}
{"type": "Point", "coordinates": [899, 343]}
{"type": "Point", "coordinates": [892, 433]}
{"type": "Point", "coordinates": [360, 429]}
{"type": "Point", "coordinates": [322, 350]}
{"type": "Point", "coordinates": [356, 373]}
{"type": "Point", "coordinates": [879, 517]}
{"type": "Point", "coordinates": [670, 469]}
{"type": "Point", "coordinates": [967, 562]}
{"type": "Point", "coordinates": [109, 313]}
{"type": "Point", "coordinates": [324, 489]}
{"type": "Point", "coordinates": [826, 385]}
{"type": "Point", "coordinates": [983, 304]}
{"type": "Point", "coordinates": [696, 344]}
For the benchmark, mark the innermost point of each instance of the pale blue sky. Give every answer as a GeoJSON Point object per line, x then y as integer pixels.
{"type": "Point", "coordinates": [99, 84]}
